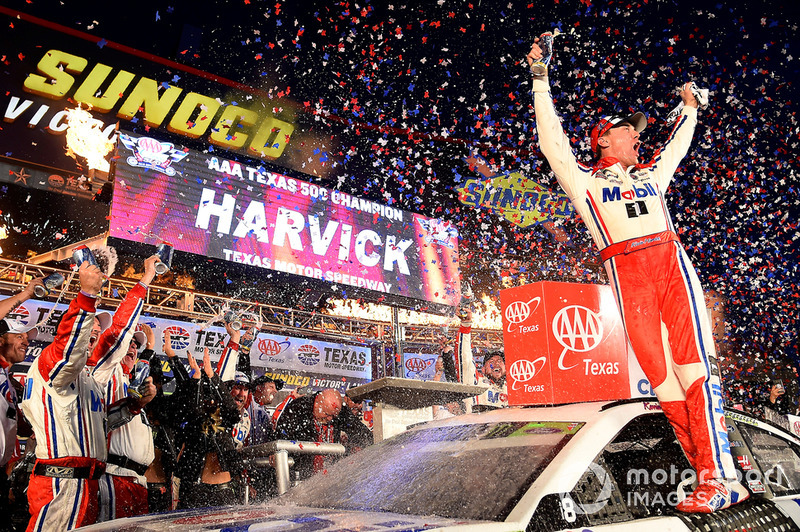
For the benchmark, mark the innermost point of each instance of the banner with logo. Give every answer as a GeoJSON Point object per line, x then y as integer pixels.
{"type": "Point", "coordinates": [219, 208]}
{"type": "Point", "coordinates": [794, 424]}
{"type": "Point", "coordinates": [270, 351]}
{"type": "Point", "coordinates": [420, 366]}
{"type": "Point", "coordinates": [564, 342]}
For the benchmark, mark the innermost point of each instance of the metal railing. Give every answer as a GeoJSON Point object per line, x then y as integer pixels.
{"type": "Point", "coordinates": [166, 302]}
{"type": "Point", "coordinates": [276, 454]}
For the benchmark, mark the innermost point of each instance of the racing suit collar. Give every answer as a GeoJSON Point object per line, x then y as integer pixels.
{"type": "Point", "coordinates": [605, 162]}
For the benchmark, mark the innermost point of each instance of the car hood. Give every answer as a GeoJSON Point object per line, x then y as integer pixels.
{"type": "Point", "coordinates": [295, 518]}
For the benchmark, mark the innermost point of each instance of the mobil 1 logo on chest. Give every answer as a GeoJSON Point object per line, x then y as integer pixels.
{"type": "Point", "coordinates": [635, 199]}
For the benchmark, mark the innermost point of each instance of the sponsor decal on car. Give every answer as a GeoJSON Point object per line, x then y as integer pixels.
{"type": "Point", "coordinates": [744, 462]}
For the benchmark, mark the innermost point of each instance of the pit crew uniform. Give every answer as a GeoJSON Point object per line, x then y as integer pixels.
{"type": "Point", "coordinates": [9, 447]}
{"type": "Point", "coordinates": [64, 405]}
{"type": "Point", "coordinates": [656, 287]}
{"type": "Point", "coordinates": [123, 488]}
{"type": "Point", "coordinates": [497, 394]}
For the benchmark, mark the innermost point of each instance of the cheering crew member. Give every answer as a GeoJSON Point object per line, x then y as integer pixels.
{"type": "Point", "coordinates": [319, 418]}
{"type": "Point", "coordinates": [164, 414]}
{"type": "Point", "coordinates": [65, 405]}
{"type": "Point", "coordinates": [492, 374]}
{"type": "Point", "coordinates": [14, 337]}
{"type": "Point", "coordinates": [209, 466]}
{"type": "Point", "coordinates": [123, 488]}
{"type": "Point", "coordinates": [622, 203]}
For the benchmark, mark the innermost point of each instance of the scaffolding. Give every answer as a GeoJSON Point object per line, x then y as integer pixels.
{"type": "Point", "coordinates": [187, 305]}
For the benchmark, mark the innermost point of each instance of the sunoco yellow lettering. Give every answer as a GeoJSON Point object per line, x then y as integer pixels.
{"type": "Point", "coordinates": [263, 135]}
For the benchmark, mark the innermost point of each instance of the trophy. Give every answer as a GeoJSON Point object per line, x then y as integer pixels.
{"type": "Point", "coordinates": [466, 301]}
{"type": "Point", "coordinates": [231, 317]}
{"type": "Point", "coordinates": [539, 66]}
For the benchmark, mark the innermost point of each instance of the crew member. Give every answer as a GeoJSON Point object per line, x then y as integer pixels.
{"type": "Point", "coordinates": [65, 405]}
{"type": "Point", "coordinates": [492, 373]}
{"type": "Point", "coordinates": [14, 338]}
{"type": "Point", "coordinates": [320, 418]}
{"type": "Point", "coordinates": [622, 202]}
{"type": "Point", "coordinates": [209, 467]}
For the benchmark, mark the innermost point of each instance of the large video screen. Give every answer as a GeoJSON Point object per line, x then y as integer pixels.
{"type": "Point", "coordinates": [224, 209]}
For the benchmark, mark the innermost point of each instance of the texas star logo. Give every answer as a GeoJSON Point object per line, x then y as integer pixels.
{"type": "Point", "coordinates": [21, 314]}
{"type": "Point", "coordinates": [308, 354]}
{"type": "Point", "coordinates": [178, 337]}
{"type": "Point", "coordinates": [439, 232]}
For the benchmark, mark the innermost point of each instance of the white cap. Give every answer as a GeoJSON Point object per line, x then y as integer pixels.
{"type": "Point", "coordinates": [17, 327]}
{"type": "Point", "coordinates": [105, 320]}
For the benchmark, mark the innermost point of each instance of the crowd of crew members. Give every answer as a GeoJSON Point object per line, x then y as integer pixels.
{"type": "Point", "coordinates": [95, 448]}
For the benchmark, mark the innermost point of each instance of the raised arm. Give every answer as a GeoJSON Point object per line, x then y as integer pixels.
{"type": "Point", "coordinates": [553, 142]}
{"type": "Point", "coordinates": [669, 157]}
{"type": "Point", "coordinates": [62, 361]}
{"type": "Point", "coordinates": [113, 342]}
{"type": "Point", "coordinates": [226, 368]}
{"type": "Point", "coordinates": [469, 374]}
{"type": "Point", "coordinates": [10, 303]}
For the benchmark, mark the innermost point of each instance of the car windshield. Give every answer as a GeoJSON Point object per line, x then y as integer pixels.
{"type": "Point", "coordinates": [466, 471]}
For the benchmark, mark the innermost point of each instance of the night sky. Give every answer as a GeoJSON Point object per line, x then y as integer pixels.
{"type": "Point", "coordinates": [398, 94]}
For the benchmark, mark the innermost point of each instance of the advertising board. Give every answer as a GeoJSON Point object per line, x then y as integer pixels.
{"type": "Point", "coordinates": [273, 352]}
{"type": "Point", "coordinates": [564, 343]}
{"type": "Point", "coordinates": [228, 210]}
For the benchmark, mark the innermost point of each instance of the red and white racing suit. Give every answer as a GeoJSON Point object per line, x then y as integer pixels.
{"type": "Point", "coordinates": [497, 394]}
{"type": "Point", "coordinates": [657, 289]}
{"type": "Point", "coordinates": [64, 405]}
{"type": "Point", "coordinates": [123, 488]}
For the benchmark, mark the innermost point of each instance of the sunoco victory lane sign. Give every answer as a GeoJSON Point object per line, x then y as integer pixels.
{"type": "Point", "coordinates": [564, 343]}
{"type": "Point", "coordinates": [271, 351]}
{"type": "Point", "coordinates": [225, 209]}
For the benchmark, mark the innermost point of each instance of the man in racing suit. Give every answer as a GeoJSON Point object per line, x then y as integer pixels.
{"type": "Point", "coordinates": [492, 374]}
{"type": "Point", "coordinates": [123, 488]}
{"type": "Point", "coordinates": [657, 289]}
{"type": "Point", "coordinates": [65, 405]}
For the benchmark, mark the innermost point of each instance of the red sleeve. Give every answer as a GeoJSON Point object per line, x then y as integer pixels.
{"type": "Point", "coordinates": [125, 317]}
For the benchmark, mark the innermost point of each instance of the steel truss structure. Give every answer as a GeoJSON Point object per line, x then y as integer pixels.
{"type": "Point", "coordinates": [168, 302]}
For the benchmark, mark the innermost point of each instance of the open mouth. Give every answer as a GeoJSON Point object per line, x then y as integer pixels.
{"type": "Point", "coordinates": [637, 145]}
